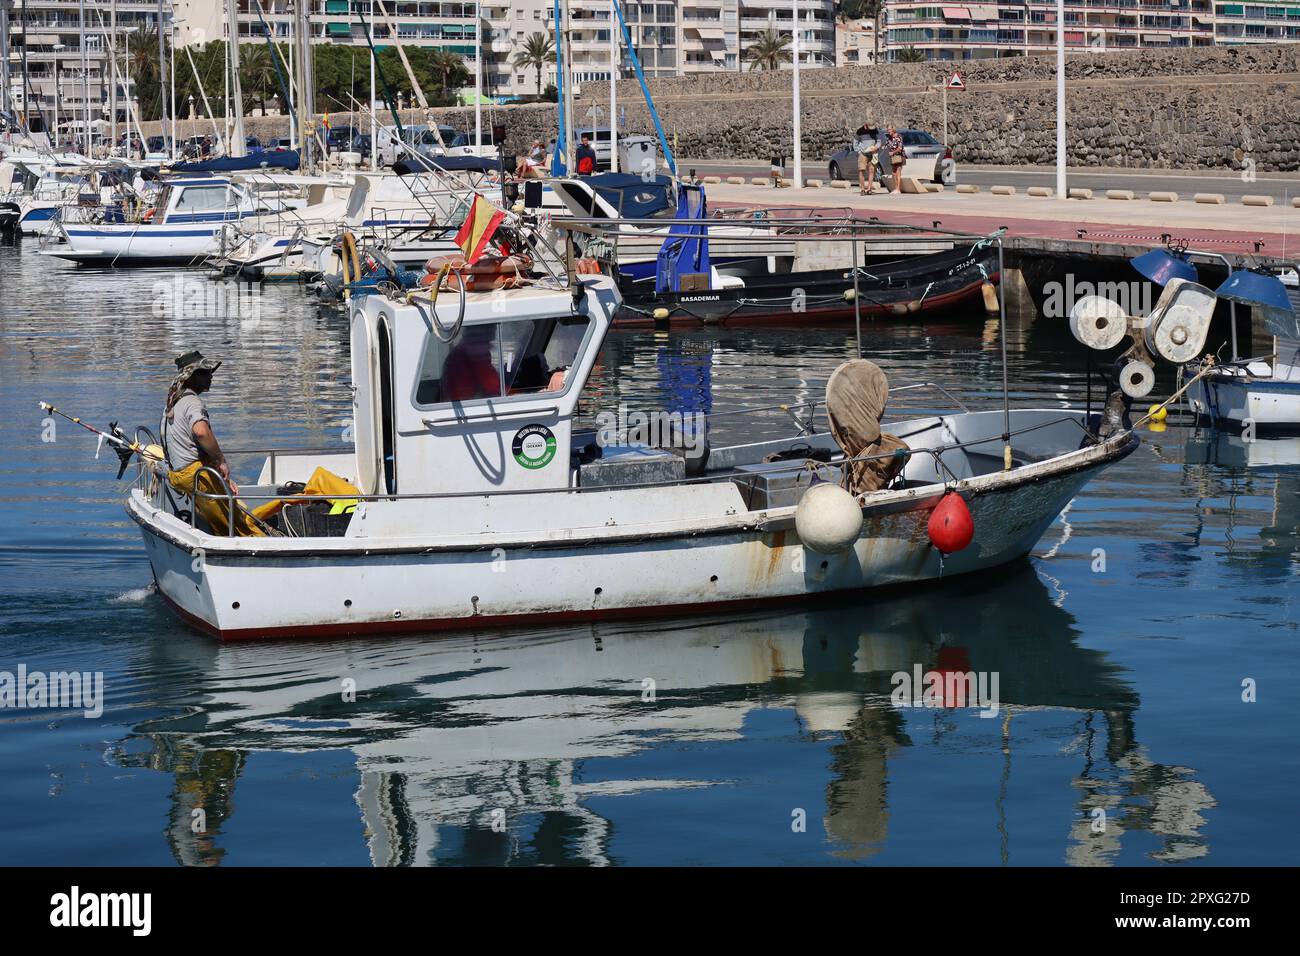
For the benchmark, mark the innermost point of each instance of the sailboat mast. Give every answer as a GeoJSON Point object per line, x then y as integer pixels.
{"type": "Point", "coordinates": [613, 89]}
{"type": "Point", "coordinates": [570, 160]}
{"type": "Point", "coordinates": [162, 72]}
{"type": "Point", "coordinates": [112, 74]}
{"type": "Point", "coordinates": [85, 79]}
{"type": "Point", "coordinates": [306, 91]}
{"type": "Point", "coordinates": [236, 94]}
{"type": "Point", "coordinates": [4, 62]}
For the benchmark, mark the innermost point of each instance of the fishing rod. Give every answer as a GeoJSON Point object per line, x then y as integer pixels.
{"type": "Point", "coordinates": [126, 448]}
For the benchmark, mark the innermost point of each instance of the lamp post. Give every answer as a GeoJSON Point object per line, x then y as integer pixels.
{"type": "Point", "coordinates": [798, 139]}
{"type": "Point", "coordinates": [1060, 99]}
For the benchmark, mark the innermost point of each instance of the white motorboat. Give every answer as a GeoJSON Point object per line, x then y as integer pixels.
{"type": "Point", "coordinates": [475, 501]}
{"type": "Point", "coordinates": [1261, 392]}
{"type": "Point", "coordinates": [183, 227]}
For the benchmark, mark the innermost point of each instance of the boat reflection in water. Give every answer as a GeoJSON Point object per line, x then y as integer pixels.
{"type": "Point", "coordinates": [539, 726]}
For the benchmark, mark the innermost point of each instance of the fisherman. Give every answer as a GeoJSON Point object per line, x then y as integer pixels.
{"type": "Point", "coordinates": [186, 429]}
{"type": "Point", "coordinates": [193, 453]}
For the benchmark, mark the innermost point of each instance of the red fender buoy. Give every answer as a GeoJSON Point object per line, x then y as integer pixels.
{"type": "Point", "coordinates": [951, 526]}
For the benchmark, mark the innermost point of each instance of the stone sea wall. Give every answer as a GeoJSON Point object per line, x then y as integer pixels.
{"type": "Point", "coordinates": [1224, 108]}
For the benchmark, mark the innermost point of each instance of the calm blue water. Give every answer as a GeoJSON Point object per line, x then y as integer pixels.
{"type": "Point", "coordinates": [1120, 689]}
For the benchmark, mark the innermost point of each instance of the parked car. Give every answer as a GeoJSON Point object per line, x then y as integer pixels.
{"type": "Point", "coordinates": [252, 144]}
{"type": "Point", "coordinates": [281, 145]}
{"type": "Point", "coordinates": [917, 145]}
{"type": "Point", "coordinates": [340, 138]}
{"type": "Point", "coordinates": [361, 144]}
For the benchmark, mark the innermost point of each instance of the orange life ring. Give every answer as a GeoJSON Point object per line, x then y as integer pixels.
{"type": "Point", "coordinates": [488, 273]}
{"type": "Point", "coordinates": [149, 214]}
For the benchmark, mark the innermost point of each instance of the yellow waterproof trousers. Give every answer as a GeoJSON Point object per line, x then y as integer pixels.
{"type": "Point", "coordinates": [216, 511]}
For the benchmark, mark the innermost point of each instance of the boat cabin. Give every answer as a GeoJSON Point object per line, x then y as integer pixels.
{"type": "Point", "coordinates": [476, 393]}
{"type": "Point", "coordinates": [203, 200]}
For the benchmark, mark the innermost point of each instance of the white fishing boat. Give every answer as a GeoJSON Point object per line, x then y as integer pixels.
{"type": "Point", "coordinates": [476, 502]}
{"type": "Point", "coordinates": [184, 226]}
{"type": "Point", "coordinates": [1261, 392]}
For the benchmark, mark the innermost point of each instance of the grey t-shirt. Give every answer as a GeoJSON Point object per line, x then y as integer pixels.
{"type": "Point", "coordinates": [182, 450]}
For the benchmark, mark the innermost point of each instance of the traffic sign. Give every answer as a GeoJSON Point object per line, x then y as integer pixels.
{"type": "Point", "coordinates": [956, 81]}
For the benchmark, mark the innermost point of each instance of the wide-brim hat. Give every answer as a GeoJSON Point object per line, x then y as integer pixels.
{"type": "Point", "coordinates": [193, 361]}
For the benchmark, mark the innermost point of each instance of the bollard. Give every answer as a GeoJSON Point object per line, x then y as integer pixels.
{"type": "Point", "coordinates": [1256, 200]}
{"type": "Point", "coordinates": [1041, 192]}
{"type": "Point", "coordinates": [736, 180]}
{"type": "Point", "coordinates": [1003, 190]}
{"type": "Point", "coordinates": [1163, 197]}
{"type": "Point", "coordinates": [968, 188]}
{"type": "Point", "coordinates": [1213, 199]}
{"type": "Point", "coordinates": [1079, 194]}
{"type": "Point", "coordinates": [1125, 194]}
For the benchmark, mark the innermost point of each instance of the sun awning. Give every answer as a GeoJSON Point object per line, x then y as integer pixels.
{"type": "Point", "coordinates": [339, 29]}
{"type": "Point", "coordinates": [709, 33]}
{"type": "Point", "coordinates": [956, 13]}
{"type": "Point", "coordinates": [984, 12]}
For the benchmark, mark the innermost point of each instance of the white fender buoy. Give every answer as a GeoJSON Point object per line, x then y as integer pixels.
{"type": "Point", "coordinates": [828, 519]}
{"type": "Point", "coordinates": [1098, 322]}
{"type": "Point", "coordinates": [1177, 327]}
{"type": "Point", "coordinates": [1137, 379]}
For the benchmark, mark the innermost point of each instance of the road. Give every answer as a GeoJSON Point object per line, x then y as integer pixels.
{"type": "Point", "coordinates": [1281, 186]}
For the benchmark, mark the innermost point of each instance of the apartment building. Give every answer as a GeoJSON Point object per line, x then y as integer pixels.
{"type": "Point", "coordinates": [856, 44]}
{"type": "Point", "coordinates": [48, 36]}
{"type": "Point", "coordinates": [980, 31]}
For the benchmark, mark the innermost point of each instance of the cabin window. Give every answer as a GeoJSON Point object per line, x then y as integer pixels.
{"type": "Point", "coordinates": [500, 360]}
{"type": "Point", "coordinates": [202, 199]}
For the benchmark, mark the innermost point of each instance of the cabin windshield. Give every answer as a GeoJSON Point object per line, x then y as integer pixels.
{"type": "Point", "coordinates": [500, 360]}
{"type": "Point", "coordinates": [202, 199]}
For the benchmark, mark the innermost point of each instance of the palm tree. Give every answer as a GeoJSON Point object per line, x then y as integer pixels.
{"type": "Point", "coordinates": [257, 72]}
{"type": "Point", "coordinates": [909, 54]}
{"type": "Point", "coordinates": [450, 68]}
{"type": "Point", "coordinates": [537, 52]}
{"type": "Point", "coordinates": [142, 69]}
{"type": "Point", "coordinates": [769, 51]}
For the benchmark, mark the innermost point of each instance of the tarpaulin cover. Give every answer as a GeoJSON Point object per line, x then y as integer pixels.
{"type": "Point", "coordinates": [856, 395]}
{"type": "Point", "coordinates": [632, 196]}
{"type": "Point", "coordinates": [686, 250]}
{"type": "Point", "coordinates": [274, 159]}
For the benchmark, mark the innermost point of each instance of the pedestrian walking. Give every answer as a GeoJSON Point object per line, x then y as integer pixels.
{"type": "Point", "coordinates": [897, 157]}
{"type": "Point", "coordinates": [867, 143]}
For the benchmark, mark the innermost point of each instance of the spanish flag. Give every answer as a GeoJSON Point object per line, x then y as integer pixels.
{"type": "Point", "coordinates": [479, 225]}
{"type": "Point", "coordinates": [326, 122]}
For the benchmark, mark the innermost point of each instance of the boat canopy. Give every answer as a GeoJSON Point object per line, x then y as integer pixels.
{"type": "Point", "coordinates": [633, 196]}
{"type": "Point", "coordinates": [686, 250]}
{"type": "Point", "coordinates": [451, 164]}
{"type": "Point", "coordinates": [276, 159]}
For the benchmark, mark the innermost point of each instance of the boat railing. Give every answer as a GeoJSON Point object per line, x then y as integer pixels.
{"type": "Point", "coordinates": [234, 502]}
{"type": "Point", "coordinates": [770, 230]}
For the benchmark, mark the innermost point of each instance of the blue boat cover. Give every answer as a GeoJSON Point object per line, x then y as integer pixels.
{"type": "Point", "coordinates": [452, 164]}
{"type": "Point", "coordinates": [632, 196]}
{"type": "Point", "coordinates": [686, 250]}
{"type": "Point", "coordinates": [276, 159]}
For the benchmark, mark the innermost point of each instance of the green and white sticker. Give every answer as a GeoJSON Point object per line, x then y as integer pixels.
{"type": "Point", "coordinates": [534, 446]}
